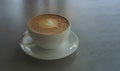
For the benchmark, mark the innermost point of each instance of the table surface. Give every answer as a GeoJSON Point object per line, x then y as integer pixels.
{"type": "Point", "coordinates": [95, 22]}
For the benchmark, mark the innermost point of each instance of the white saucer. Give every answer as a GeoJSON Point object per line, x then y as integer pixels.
{"type": "Point", "coordinates": [66, 49]}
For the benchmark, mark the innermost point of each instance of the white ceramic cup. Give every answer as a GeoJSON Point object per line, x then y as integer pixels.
{"type": "Point", "coordinates": [50, 41]}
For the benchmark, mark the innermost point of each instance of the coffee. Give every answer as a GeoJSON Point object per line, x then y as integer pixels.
{"type": "Point", "coordinates": [48, 24]}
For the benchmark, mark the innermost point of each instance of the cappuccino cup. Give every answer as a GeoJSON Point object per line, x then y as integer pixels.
{"type": "Point", "coordinates": [49, 31]}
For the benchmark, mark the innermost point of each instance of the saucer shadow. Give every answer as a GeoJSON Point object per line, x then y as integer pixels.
{"type": "Point", "coordinates": [22, 58]}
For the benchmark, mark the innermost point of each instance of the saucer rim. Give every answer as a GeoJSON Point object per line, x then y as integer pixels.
{"type": "Point", "coordinates": [21, 45]}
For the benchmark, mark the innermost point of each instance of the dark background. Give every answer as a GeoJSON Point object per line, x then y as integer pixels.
{"type": "Point", "coordinates": [95, 22]}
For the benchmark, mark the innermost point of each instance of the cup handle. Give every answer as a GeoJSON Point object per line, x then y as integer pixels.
{"type": "Point", "coordinates": [27, 42]}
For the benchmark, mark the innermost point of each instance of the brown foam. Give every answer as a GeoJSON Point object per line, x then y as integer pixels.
{"type": "Point", "coordinates": [49, 24]}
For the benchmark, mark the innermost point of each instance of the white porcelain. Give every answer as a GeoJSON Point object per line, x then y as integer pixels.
{"type": "Point", "coordinates": [50, 41]}
{"type": "Point", "coordinates": [63, 50]}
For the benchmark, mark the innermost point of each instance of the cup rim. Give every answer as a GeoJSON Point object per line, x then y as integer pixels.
{"type": "Point", "coordinates": [69, 26]}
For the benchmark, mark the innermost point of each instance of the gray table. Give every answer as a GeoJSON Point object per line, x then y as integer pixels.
{"type": "Point", "coordinates": [95, 22]}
